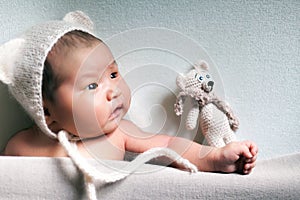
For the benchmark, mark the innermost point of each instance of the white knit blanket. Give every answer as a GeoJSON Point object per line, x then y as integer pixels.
{"type": "Point", "coordinates": [56, 178]}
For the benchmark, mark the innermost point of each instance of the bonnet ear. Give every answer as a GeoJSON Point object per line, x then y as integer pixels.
{"type": "Point", "coordinates": [78, 17]}
{"type": "Point", "coordinates": [201, 65]}
{"type": "Point", "coordinates": [8, 56]}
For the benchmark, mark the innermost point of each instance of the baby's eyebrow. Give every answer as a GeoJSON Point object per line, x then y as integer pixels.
{"type": "Point", "coordinates": [87, 73]}
{"type": "Point", "coordinates": [91, 73]}
{"type": "Point", "coordinates": [112, 64]}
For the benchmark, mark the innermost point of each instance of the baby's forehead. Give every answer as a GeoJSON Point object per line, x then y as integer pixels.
{"type": "Point", "coordinates": [82, 60]}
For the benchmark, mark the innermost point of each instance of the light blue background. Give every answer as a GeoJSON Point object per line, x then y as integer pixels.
{"type": "Point", "coordinates": [253, 44]}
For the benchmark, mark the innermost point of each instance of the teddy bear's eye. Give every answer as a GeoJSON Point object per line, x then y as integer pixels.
{"type": "Point", "coordinates": [200, 78]}
{"type": "Point", "coordinates": [207, 76]}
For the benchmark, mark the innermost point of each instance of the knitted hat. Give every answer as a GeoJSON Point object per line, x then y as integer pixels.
{"type": "Point", "coordinates": [21, 68]}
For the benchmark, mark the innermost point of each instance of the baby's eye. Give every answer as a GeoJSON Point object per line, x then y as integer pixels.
{"type": "Point", "coordinates": [207, 76]}
{"type": "Point", "coordinates": [92, 86]}
{"type": "Point", "coordinates": [114, 75]}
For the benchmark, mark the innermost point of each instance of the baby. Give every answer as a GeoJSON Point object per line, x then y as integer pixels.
{"type": "Point", "coordinates": [85, 95]}
{"type": "Point", "coordinates": [69, 82]}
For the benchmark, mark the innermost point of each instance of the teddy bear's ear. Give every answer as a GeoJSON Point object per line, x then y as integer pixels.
{"type": "Point", "coordinates": [8, 55]}
{"type": "Point", "coordinates": [78, 17]}
{"type": "Point", "coordinates": [201, 65]}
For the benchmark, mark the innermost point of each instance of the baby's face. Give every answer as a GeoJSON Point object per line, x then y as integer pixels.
{"type": "Point", "coordinates": [93, 97]}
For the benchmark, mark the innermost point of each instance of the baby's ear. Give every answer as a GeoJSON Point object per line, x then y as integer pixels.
{"type": "Point", "coordinates": [201, 65]}
{"type": "Point", "coordinates": [9, 53]}
{"type": "Point", "coordinates": [51, 123]}
{"type": "Point", "coordinates": [78, 17]}
{"type": "Point", "coordinates": [47, 114]}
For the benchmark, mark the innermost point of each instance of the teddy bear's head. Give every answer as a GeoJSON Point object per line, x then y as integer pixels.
{"type": "Point", "coordinates": [197, 81]}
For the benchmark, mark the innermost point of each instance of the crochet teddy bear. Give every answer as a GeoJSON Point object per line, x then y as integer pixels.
{"type": "Point", "coordinates": [216, 119]}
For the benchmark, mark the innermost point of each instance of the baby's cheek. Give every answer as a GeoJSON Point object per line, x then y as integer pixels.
{"type": "Point", "coordinates": [86, 116]}
{"type": "Point", "coordinates": [125, 91]}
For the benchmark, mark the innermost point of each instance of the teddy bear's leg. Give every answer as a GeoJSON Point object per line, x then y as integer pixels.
{"type": "Point", "coordinates": [214, 141]}
{"type": "Point", "coordinates": [214, 125]}
{"type": "Point", "coordinates": [192, 117]}
{"type": "Point", "coordinates": [229, 137]}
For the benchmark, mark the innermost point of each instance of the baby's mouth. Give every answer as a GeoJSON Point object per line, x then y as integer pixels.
{"type": "Point", "coordinates": [116, 112]}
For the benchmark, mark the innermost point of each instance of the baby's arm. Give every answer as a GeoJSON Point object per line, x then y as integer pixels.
{"type": "Point", "coordinates": [238, 156]}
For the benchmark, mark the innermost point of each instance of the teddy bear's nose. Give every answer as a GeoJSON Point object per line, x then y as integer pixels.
{"type": "Point", "coordinates": [210, 85]}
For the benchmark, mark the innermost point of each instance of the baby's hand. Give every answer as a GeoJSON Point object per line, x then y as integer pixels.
{"type": "Point", "coordinates": [236, 157]}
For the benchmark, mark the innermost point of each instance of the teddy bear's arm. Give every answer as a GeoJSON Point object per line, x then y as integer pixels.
{"type": "Point", "coordinates": [225, 108]}
{"type": "Point", "coordinates": [178, 107]}
{"type": "Point", "coordinates": [192, 117]}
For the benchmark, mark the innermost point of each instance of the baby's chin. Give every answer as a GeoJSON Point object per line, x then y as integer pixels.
{"type": "Point", "coordinates": [84, 135]}
{"type": "Point", "coordinates": [97, 130]}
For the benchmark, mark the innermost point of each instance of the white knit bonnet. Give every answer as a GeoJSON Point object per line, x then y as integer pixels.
{"type": "Point", "coordinates": [21, 68]}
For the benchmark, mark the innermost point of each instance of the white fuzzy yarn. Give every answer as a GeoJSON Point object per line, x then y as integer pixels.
{"type": "Point", "coordinates": [216, 119]}
{"type": "Point", "coordinates": [215, 126]}
{"type": "Point", "coordinates": [21, 68]}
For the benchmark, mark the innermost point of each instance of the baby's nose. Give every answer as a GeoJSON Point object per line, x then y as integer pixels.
{"type": "Point", "coordinates": [113, 93]}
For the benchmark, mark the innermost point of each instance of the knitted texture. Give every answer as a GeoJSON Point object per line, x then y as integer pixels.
{"type": "Point", "coordinates": [217, 121]}
{"type": "Point", "coordinates": [21, 68]}
{"type": "Point", "coordinates": [215, 127]}
{"type": "Point", "coordinates": [26, 64]}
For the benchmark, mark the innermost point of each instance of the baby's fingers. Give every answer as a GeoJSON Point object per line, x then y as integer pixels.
{"type": "Point", "coordinates": [245, 151]}
{"type": "Point", "coordinates": [252, 149]}
{"type": "Point", "coordinates": [251, 160]}
{"type": "Point", "coordinates": [248, 168]}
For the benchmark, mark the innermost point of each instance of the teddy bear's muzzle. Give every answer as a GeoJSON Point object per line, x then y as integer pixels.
{"type": "Point", "coordinates": [209, 86]}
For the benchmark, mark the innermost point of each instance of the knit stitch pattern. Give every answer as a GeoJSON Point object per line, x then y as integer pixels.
{"type": "Point", "coordinates": [28, 73]}
{"type": "Point", "coordinates": [216, 119]}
